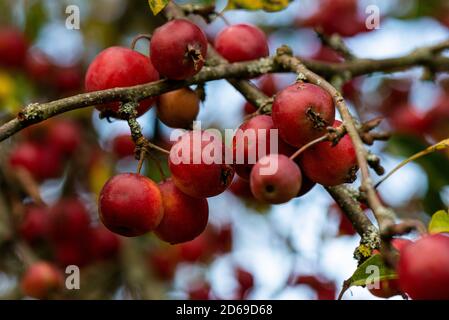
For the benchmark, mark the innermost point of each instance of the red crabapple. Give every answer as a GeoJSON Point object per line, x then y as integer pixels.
{"type": "Point", "coordinates": [423, 268]}
{"type": "Point", "coordinates": [192, 173]}
{"type": "Point", "coordinates": [242, 42]}
{"type": "Point", "coordinates": [178, 49]}
{"type": "Point", "coordinates": [302, 112]}
{"type": "Point", "coordinates": [123, 146]}
{"type": "Point", "coordinates": [185, 217]}
{"type": "Point", "coordinates": [34, 226]}
{"type": "Point", "coordinates": [330, 165]}
{"type": "Point", "coordinates": [252, 141]}
{"type": "Point", "coordinates": [120, 67]}
{"type": "Point", "coordinates": [13, 48]}
{"type": "Point", "coordinates": [130, 204]}
{"type": "Point", "coordinates": [65, 136]}
{"type": "Point", "coordinates": [275, 179]}
{"type": "Point", "coordinates": [41, 280]}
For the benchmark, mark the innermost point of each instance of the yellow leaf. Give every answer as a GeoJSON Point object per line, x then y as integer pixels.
{"type": "Point", "coordinates": [266, 5]}
{"type": "Point", "coordinates": [157, 5]}
{"type": "Point", "coordinates": [100, 171]}
{"type": "Point", "coordinates": [439, 222]}
{"type": "Point", "coordinates": [7, 86]}
{"type": "Point", "coordinates": [443, 144]}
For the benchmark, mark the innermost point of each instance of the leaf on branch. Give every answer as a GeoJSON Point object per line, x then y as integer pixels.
{"type": "Point", "coordinates": [266, 5]}
{"type": "Point", "coordinates": [157, 5]}
{"type": "Point", "coordinates": [439, 222]}
{"type": "Point", "coordinates": [370, 272]}
{"type": "Point", "coordinates": [443, 144]}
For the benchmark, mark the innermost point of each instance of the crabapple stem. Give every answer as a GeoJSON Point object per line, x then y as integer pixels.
{"type": "Point", "coordinates": [137, 38]}
{"type": "Point", "coordinates": [308, 145]}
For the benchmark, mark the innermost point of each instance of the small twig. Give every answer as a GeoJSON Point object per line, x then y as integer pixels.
{"type": "Point", "coordinates": [308, 145]}
{"type": "Point", "coordinates": [137, 38]}
{"type": "Point", "coordinates": [28, 184]}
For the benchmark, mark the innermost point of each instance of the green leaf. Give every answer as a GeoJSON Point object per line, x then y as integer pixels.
{"type": "Point", "coordinates": [157, 5]}
{"type": "Point", "coordinates": [439, 222]}
{"type": "Point", "coordinates": [369, 272]}
{"type": "Point", "coordinates": [266, 5]}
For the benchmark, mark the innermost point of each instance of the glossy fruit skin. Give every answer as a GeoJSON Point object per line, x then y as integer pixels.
{"type": "Point", "coordinates": [69, 220]}
{"type": "Point", "coordinates": [13, 48]}
{"type": "Point", "coordinates": [64, 136]}
{"type": "Point", "coordinates": [120, 67]}
{"type": "Point", "coordinates": [330, 165]}
{"type": "Point", "coordinates": [130, 205]}
{"type": "Point", "coordinates": [170, 45]}
{"type": "Point", "coordinates": [241, 42]}
{"type": "Point", "coordinates": [241, 188]}
{"type": "Point", "coordinates": [201, 179]}
{"type": "Point", "coordinates": [178, 108]}
{"type": "Point", "coordinates": [423, 268]}
{"type": "Point", "coordinates": [40, 280]}
{"type": "Point", "coordinates": [185, 217]}
{"type": "Point", "coordinates": [280, 186]}
{"type": "Point", "coordinates": [35, 224]}
{"type": "Point", "coordinates": [250, 139]}
{"type": "Point", "coordinates": [390, 288]}
{"type": "Point", "coordinates": [123, 146]}
{"type": "Point", "coordinates": [302, 112]}
{"type": "Point", "coordinates": [42, 162]}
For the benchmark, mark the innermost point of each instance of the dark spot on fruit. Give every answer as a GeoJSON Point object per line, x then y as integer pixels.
{"type": "Point", "coordinates": [352, 174]}
{"type": "Point", "coordinates": [317, 121]}
{"type": "Point", "coordinates": [269, 188]}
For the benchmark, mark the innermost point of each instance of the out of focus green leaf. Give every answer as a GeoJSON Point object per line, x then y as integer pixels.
{"type": "Point", "coordinates": [157, 5]}
{"type": "Point", "coordinates": [439, 222]}
{"type": "Point", "coordinates": [36, 18]}
{"type": "Point", "coordinates": [266, 5]}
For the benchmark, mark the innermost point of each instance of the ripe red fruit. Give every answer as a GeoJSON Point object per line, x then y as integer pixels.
{"type": "Point", "coordinates": [241, 188]}
{"type": "Point", "coordinates": [275, 179]}
{"type": "Point", "coordinates": [302, 112]}
{"type": "Point", "coordinates": [178, 49]}
{"type": "Point", "coordinates": [423, 268]}
{"type": "Point", "coordinates": [195, 249]}
{"type": "Point", "coordinates": [242, 42]}
{"type": "Point", "coordinates": [67, 80]}
{"type": "Point", "coordinates": [130, 205]}
{"type": "Point", "coordinates": [390, 288]}
{"type": "Point", "coordinates": [123, 146]}
{"type": "Point", "coordinates": [64, 136]}
{"type": "Point", "coordinates": [103, 244]}
{"type": "Point", "coordinates": [250, 140]}
{"type": "Point", "coordinates": [69, 220]}
{"type": "Point", "coordinates": [42, 162]}
{"type": "Point", "coordinates": [13, 48]}
{"type": "Point", "coordinates": [348, 24]}
{"type": "Point", "coordinates": [73, 252]}
{"type": "Point", "coordinates": [406, 119]}
{"type": "Point", "coordinates": [191, 173]}
{"type": "Point", "coordinates": [245, 280]}
{"type": "Point", "coordinates": [163, 262]}
{"type": "Point", "coordinates": [34, 226]}
{"type": "Point", "coordinates": [330, 165]}
{"type": "Point", "coordinates": [38, 66]}
{"type": "Point", "coordinates": [41, 280]}
{"type": "Point", "coordinates": [179, 108]}
{"type": "Point", "coordinates": [120, 67]}
{"type": "Point", "coordinates": [201, 291]}
{"type": "Point", "coordinates": [185, 217]}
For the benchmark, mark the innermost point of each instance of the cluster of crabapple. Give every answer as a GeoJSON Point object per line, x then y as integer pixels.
{"type": "Point", "coordinates": [16, 54]}
{"type": "Point", "coordinates": [176, 209]}
{"type": "Point", "coordinates": [63, 234]}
